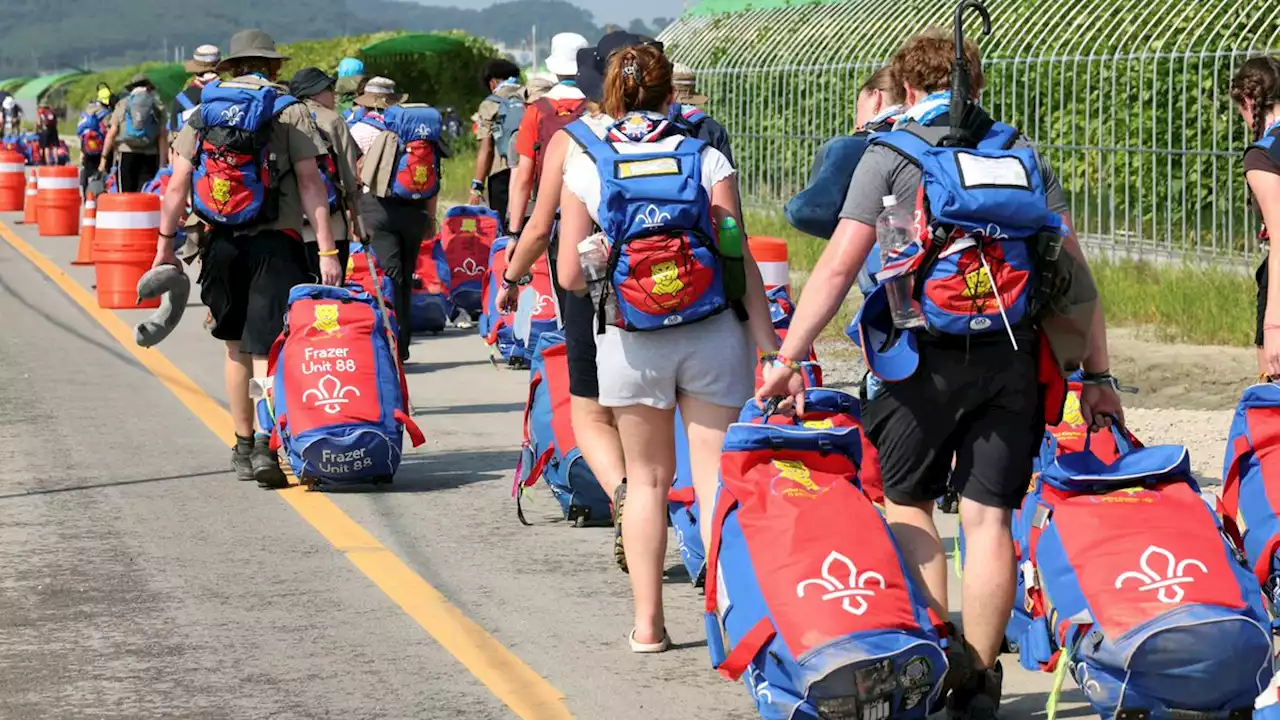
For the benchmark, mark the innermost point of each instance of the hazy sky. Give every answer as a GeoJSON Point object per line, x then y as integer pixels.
{"type": "Point", "coordinates": [604, 10]}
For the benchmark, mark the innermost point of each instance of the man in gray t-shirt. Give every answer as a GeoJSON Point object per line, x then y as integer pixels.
{"type": "Point", "coordinates": [971, 414]}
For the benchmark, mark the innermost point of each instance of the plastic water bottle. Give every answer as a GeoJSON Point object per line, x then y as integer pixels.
{"type": "Point", "coordinates": [894, 230]}
{"type": "Point", "coordinates": [735, 273]}
{"type": "Point", "coordinates": [593, 256]}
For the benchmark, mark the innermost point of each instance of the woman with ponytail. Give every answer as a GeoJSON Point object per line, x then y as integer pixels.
{"type": "Point", "coordinates": [1256, 92]}
{"type": "Point", "coordinates": [701, 357]}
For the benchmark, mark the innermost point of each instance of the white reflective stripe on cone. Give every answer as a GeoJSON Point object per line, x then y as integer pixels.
{"type": "Point", "coordinates": [32, 191]}
{"type": "Point", "coordinates": [129, 220]}
{"type": "Point", "coordinates": [58, 184]}
{"type": "Point", "coordinates": [90, 205]}
{"type": "Point", "coordinates": [10, 168]}
{"type": "Point", "coordinates": [89, 222]}
{"type": "Point", "coordinates": [775, 273]}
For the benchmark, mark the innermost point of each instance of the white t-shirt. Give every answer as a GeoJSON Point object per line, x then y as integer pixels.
{"type": "Point", "coordinates": [364, 134]}
{"type": "Point", "coordinates": [582, 179]}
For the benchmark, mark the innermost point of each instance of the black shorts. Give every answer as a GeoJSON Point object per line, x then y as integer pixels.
{"type": "Point", "coordinates": [980, 406]}
{"type": "Point", "coordinates": [580, 345]}
{"type": "Point", "coordinates": [245, 282]}
{"type": "Point", "coordinates": [136, 170]}
{"type": "Point", "coordinates": [1261, 277]}
{"type": "Point", "coordinates": [48, 138]}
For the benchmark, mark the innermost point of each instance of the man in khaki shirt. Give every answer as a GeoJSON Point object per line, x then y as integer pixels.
{"type": "Point", "coordinates": [316, 89]}
{"type": "Point", "coordinates": [247, 272]}
{"type": "Point", "coordinates": [503, 78]}
{"type": "Point", "coordinates": [139, 157]}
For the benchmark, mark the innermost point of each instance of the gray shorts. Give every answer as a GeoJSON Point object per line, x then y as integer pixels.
{"type": "Point", "coordinates": [712, 361]}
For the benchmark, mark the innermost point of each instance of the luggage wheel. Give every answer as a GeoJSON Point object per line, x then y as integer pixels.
{"type": "Point", "coordinates": [1008, 646]}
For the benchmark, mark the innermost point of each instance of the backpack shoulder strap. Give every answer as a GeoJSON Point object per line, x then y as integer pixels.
{"type": "Point", "coordinates": [185, 101]}
{"type": "Point", "coordinates": [1000, 137]}
{"type": "Point", "coordinates": [591, 144]}
{"type": "Point", "coordinates": [904, 142]}
{"type": "Point", "coordinates": [283, 102]}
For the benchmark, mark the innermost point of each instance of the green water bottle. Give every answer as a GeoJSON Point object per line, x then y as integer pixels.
{"type": "Point", "coordinates": [735, 274]}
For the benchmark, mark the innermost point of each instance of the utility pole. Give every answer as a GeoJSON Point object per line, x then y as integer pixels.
{"type": "Point", "coordinates": [535, 49]}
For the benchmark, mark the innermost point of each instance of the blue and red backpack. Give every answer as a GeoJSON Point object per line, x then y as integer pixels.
{"type": "Point", "coordinates": [664, 265]}
{"type": "Point", "coordinates": [494, 325]}
{"type": "Point", "coordinates": [985, 209]}
{"type": "Point", "coordinates": [807, 598]}
{"type": "Point", "coordinates": [236, 180]}
{"type": "Point", "coordinates": [468, 234]}
{"type": "Point", "coordinates": [550, 452]}
{"type": "Point", "coordinates": [417, 128]}
{"type": "Point", "coordinates": [1251, 483]}
{"type": "Point", "coordinates": [338, 403]}
{"type": "Point", "coordinates": [1129, 583]}
{"type": "Point", "coordinates": [91, 131]}
{"type": "Point", "coordinates": [430, 309]}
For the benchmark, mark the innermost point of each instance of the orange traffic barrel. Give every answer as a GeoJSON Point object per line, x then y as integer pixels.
{"type": "Point", "coordinates": [772, 256]}
{"type": "Point", "coordinates": [12, 181]}
{"type": "Point", "coordinates": [58, 200]}
{"type": "Point", "coordinates": [88, 229]}
{"type": "Point", "coordinates": [128, 225]}
{"type": "Point", "coordinates": [29, 199]}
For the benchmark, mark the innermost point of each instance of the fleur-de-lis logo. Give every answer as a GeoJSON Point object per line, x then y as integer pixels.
{"type": "Point", "coordinates": [422, 132]}
{"type": "Point", "coordinates": [330, 394]}
{"type": "Point", "coordinates": [541, 303]}
{"type": "Point", "coordinates": [1090, 686]}
{"type": "Point", "coordinates": [848, 586]}
{"type": "Point", "coordinates": [1162, 572]}
{"type": "Point", "coordinates": [470, 268]}
{"type": "Point", "coordinates": [232, 116]}
{"type": "Point", "coordinates": [653, 217]}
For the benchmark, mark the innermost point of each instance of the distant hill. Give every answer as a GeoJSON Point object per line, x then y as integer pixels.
{"type": "Point", "coordinates": [118, 32]}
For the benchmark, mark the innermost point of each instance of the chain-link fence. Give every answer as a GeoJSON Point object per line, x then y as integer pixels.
{"type": "Point", "coordinates": [1127, 98]}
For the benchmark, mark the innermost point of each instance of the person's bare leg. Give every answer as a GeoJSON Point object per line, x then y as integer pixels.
{"type": "Point", "coordinates": [648, 444]}
{"type": "Point", "coordinates": [918, 540]}
{"type": "Point", "coordinates": [238, 371]}
{"type": "Point", "coordinates": [989, 581]}
{"type": "Point", "coordinates": [597, 434]}
{"type": "Point", "coordinates": [705, 425]}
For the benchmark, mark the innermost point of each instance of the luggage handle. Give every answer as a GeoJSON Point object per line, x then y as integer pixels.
{"type": "Point", "coordinates": [411, 427]}
{"type": "Point", "coordinates": [1126, 442]}
{"type": "Point", "coordinates": [735, 664]}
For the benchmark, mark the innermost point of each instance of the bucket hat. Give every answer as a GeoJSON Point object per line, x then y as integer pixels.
{"type": "Point", "coordinates": [891, 354]}
{"type": "Point", "coordinates": [309, 82]}
{"type": "Point", "coordinates": [380, 93]}
{"type": "Point", "coordinates": [139, 80]}
{"type": "Point", "coordinates": [252, 44]}
{"type": "Point", "coordinates": [563, 60]}
{"type": "Point", "coordinates": [685, 81]}
{"type": "Point", "coordinates": [205, 59]}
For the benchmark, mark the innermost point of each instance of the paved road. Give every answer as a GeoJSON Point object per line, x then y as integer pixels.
{"type": "Point", "coordinates": [139, 580]}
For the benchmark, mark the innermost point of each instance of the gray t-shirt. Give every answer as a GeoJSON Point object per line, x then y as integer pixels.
{"type": "Point", "coordinates": [882, 171]}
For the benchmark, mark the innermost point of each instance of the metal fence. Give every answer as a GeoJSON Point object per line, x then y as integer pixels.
{"type": "Point", "coordinates": [1128, 99]}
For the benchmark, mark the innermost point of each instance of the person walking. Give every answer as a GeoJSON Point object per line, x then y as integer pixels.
{"type": "Point", "coordinates": [377, 94]}
{"type": "Point", "coordinates": [396, 225]}
{"type": "Point", "coordinates": [496, 121]}
{"type": "Point", "coordinates": [974, 400]}
{"type": "Point", "coordinates": [247, 270]}
{"type": "Point", "coordinates": [203, 68]}
{"type": "Point", "coordinates": [1255, 88]}
{"type": "Point", "coordinates": [47, 132]}
{"type": "Point", "coordinates": [337, 166]}
{"type": "Point", "coordinates": [12, 112]}
{"type": "Point", "coordinates": [699, 357]}
{"type": "Point", "coordinates": [137, 136]}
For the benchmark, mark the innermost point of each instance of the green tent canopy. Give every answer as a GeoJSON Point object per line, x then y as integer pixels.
{"type": "Point", "coordinates": [169, 79]}
{"type": "Point", "coordinates": [412, 44]}
{"type": "Point", "coordinates": [12, 84]}
{"type": "Point", "coordinates": [36, 89]}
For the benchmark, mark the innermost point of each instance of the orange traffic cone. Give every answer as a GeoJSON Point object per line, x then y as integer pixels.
{"type": "Point", "coordinates": [29, 209]}
{"type": "Point", "coordinates": [88, 230]}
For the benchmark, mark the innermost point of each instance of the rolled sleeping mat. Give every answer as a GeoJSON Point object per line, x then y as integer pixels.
{"type": "Point", "coordinates": [173, 287]}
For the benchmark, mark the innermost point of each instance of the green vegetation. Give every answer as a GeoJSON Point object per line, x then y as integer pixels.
{"type": "Point", "coordinates": [1182, 303]}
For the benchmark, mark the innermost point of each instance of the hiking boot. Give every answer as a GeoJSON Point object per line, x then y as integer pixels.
{"type": "Point", "coordinates": [979, 699]}
{"type": "Point", "coordinates": [266, 467]}
{"type": "Point", "coordinates": [241, 459]}
{"type": "Point", "coordinates": [619, 552]}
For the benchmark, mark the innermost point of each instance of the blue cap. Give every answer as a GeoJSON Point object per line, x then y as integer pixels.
{"type": "Point", "coordinates": [875, 326]}
{"type": "Point", "coordinates": [350, 67]}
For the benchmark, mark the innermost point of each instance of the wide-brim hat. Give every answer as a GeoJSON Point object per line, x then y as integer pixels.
{"type": "Point", "coordinates": [204, 60]}
{"type": "Point", "coordinates": [563, 60]}
{"type": "Point", "coordinates": [137, 80]}
{"type": "Point", "coordinates": [380, 93]}
{"type": "Point", "coordinates": [309, 82]}
{"type": "Point", "coordinates": [891, 354]}
{"type": "Point", "coordinates": [252, 44]}
{"type": "Point", "coordinates": [685, 82]}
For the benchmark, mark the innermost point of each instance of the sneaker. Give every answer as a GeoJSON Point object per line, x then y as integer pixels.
{"type": "Point", "coordinates": [242, 463]}
{"type": "Point", "coordinates": [266, 468]}
{"type": "Point", "coordinates": [463, 323]}
{"type": "Point", "coordinates": [619, 501]}
{"type": "Point", "coordinates": [980, 699]}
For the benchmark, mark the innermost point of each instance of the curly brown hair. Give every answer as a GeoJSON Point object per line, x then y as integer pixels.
{"type": "Point", "coordinates": [886, 82]}
{"type": "Point", "coordinates": [924, 62]}
{"type": "Point", "coordinates": [1257, 81]}
{"type": "Point", "coordinates": [638, 78]}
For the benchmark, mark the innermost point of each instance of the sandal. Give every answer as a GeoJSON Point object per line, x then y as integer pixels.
{"type": "Point", "coordinates": [619, 552]}
{"type": "Point", "coordinates": [661, 646]}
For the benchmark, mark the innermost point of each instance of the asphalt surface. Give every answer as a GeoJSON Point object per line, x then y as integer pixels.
{"type": "Point", "coordinates": [138, 579]}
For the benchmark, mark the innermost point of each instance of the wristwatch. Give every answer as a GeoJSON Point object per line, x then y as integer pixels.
{"type": "Point", "coordinates": [477, 187]}
{"type": "Point", "coordinates": [524, 280]}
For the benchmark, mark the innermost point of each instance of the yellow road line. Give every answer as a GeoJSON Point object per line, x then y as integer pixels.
{"type": "Point", "coordinates": [527, 693]}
